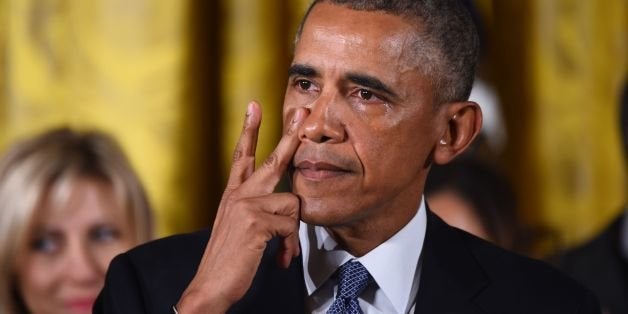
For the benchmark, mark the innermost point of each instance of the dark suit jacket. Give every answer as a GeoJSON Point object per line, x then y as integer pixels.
{"type": "Point", "coordinates": [600, 266]}
{"type": "Point", "coordinates": [460, 274]}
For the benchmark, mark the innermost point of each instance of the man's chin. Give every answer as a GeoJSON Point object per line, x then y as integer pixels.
{"type": "Point", "coordinates": [316, 221]}
{"type": "Point", "coordinates": [322, 215]}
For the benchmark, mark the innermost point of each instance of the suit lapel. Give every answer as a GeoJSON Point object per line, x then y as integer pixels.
{"type": "Point", "coordinates": [450, 278]}
{"type": "Point", "coordinates": [450, 275]}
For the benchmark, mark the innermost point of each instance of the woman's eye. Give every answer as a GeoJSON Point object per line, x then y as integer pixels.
{"type": "Point", "coordinates": [104, 234]}
{"type": "Point", "coordinates": [45, 244]}
{"type": "Point", "coordinates": [304, 85]}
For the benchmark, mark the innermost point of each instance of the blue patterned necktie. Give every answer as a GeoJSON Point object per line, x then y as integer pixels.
{"type": "Point", "coordinates": [353, 279]}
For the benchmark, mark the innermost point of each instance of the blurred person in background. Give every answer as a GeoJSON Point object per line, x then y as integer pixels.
{"type": "Point", "coordinates": [470, 195]}
{"type": "Point", "coordinates": [69, 202]}
{"type": "Point", "coordinates": [602, 263]}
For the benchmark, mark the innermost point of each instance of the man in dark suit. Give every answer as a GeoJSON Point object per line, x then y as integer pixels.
{"type": "Point", "coordinates": [377, 93]}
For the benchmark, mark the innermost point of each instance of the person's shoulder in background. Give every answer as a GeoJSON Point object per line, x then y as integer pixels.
{"type": "Point", "coordinates": [601, 265]}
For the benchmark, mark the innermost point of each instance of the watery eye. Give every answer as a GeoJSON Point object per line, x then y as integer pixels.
{"type": "Point", "coordinates": [305, 85]}
{"type": "Point", "coordinates": [365, 94]}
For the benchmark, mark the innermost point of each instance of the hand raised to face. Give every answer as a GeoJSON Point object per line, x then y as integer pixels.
{"type": "Point", "coordinates": [249, 215]}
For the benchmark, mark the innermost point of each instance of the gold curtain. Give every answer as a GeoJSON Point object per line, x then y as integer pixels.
{"type": "Point", "coordinates": [258, 41]}
{"type": "Point", "coordinates": [114, 65]}
{"type": "Point", "coordinates": [560, 67]}
{"type": "Point", "coordinates": [169, 79]}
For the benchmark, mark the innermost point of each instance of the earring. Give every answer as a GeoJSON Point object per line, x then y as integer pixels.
{"type": "Point", "coordinates": [442, 142]}
{"type": "Point", "coordinates": [454, 117]}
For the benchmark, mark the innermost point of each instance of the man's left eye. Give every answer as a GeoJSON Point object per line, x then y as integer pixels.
{"type": "Point", "coordinates": [365, 94]}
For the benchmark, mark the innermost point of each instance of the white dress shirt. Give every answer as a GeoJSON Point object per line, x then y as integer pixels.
{"type": "Point", "coordinates": [394, 265]}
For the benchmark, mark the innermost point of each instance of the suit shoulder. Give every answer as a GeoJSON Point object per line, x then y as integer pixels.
{"type": "Point", "coordinates": [173, 249]}
{"type": "Point", "coordinates": [517, 279]}
{"type": "Point", "coordinates": [500, 263]}
{"type": "Point", "coordinates": [151, 277]}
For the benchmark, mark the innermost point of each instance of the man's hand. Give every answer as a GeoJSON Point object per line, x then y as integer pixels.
{"type": "Point", "coordinates": [249, 215]}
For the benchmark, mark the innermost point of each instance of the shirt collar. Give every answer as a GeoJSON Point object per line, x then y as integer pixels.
{"type": "Point", "coordinates": [322, 256]}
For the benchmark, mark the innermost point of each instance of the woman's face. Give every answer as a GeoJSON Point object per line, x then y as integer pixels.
{"type": "Point", "coordinates": [62, 267]}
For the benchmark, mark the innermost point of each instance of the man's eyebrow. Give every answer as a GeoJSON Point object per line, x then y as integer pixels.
{"type": "Point", "coordinates": [370, 82]}
{"type": "Point", "coordinates": [302, 70]}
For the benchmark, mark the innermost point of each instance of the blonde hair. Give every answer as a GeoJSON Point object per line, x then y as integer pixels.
{"type": "Point", "coordinates": [33, 167]}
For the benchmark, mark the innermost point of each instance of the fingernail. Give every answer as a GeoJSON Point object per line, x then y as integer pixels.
{"type": "Point", "coordinates": [297, 116]}
{"type": "Point", "coordinates": [249, 110]}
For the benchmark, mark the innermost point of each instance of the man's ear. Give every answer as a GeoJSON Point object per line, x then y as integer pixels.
{"type": "Point", "coordinates": [464, 123]}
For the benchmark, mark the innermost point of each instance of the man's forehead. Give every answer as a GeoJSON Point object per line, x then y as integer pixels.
{"type": "Point", "coordinates": [337, 29]}
{"type": "Point", "coordinates": [377, 32]}
{"type": "Point", "coordinates": [334, 34]}
{"type": "Point", "coordinates": [341, 19]}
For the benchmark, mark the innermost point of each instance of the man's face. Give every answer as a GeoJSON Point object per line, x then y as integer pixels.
{"type": "Point", "coordinates": [366, 144]}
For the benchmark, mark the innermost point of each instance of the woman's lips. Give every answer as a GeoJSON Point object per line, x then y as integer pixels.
{"type": "Point", "coordinates": [319, 170]}
{"type": "Point", "coordinates": [80, 305]}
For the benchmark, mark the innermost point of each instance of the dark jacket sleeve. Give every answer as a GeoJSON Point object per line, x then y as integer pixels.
{"type": "Point", "coordinates": [151, 278]}
{"type": "Point", "coordinates": [122, 290]}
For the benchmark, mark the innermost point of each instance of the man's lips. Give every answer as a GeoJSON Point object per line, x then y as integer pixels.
{"type": "Point", "coordinates": [318, 170]}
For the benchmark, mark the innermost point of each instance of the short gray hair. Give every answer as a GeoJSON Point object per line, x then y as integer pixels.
{"type": "Point", "coordinates": [447, 41]}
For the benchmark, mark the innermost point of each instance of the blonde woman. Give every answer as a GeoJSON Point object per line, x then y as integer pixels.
{"type": "Point", "coordinates": [69, 202]}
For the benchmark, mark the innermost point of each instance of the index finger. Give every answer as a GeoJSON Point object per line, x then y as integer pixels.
{"type": "Point", "coordinates": [244, 153]}
{"type": "Point", "coordinates": [264, 180]}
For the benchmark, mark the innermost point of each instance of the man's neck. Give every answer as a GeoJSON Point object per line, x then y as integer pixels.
{"type": "Point", "coordinates": [363, 236]}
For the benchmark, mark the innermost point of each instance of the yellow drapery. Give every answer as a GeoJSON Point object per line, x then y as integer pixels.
{"type": "Point", "coordinates": [560, 69]}
{"type": "Point", "coordinates": [171, 79]}
{"type": "Point", "coordinates": [258, 41]}
{"type": "Point", "coordinates": [168, 79]}
{"type": "Point", "coordinates": [85, 64]}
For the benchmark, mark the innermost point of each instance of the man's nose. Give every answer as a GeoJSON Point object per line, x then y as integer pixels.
{"type": "Point", "coordinates": [324, 123]}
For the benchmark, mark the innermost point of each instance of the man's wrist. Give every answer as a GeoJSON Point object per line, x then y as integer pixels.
{"type": "Point", "coordinates": [199, 302]}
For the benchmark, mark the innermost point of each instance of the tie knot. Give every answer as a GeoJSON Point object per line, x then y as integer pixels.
{"type": "Point", "coordinates": [354, 278]}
